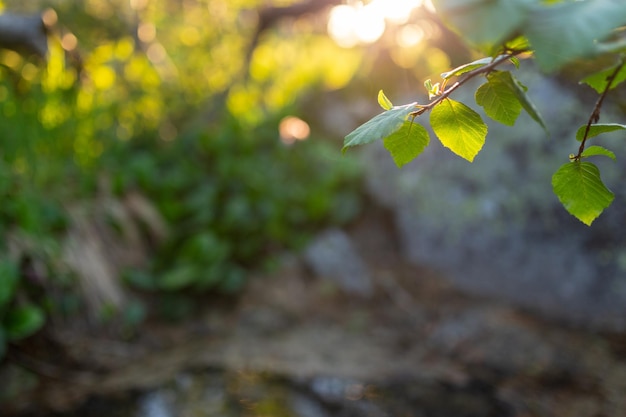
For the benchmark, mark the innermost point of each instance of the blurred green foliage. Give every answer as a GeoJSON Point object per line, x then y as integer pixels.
{"type": "Point", "coordinates": [234, 197]}
{"type": "Point", "coordinates": [156, 98]}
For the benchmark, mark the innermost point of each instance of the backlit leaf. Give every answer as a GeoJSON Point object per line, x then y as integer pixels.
{"type": "Point", "coordinates": [379, 127]}
{"type": "Point", "coordinates": [460, 70]}
{"type": "Point", "coordinates": [580, 189]}
{"type": "Point", "coordinates": [498, 99]}
{"type": "Point", "coordinates": [562, 32]}
{"type": "Point", "coordinates": [597, 129]}
{"type": "Point", "coordinates": [598, 151]}
{"type": "Point", "coordinates": [407, 143]}
{"type": "Point", "coordinates": [518, 44]}
{"type": "Point", "coordinates": [459, 128]}
{"type": "Point", "coordinates": [598, 80]}
{"type": "Point", "coordinates": [383, 101]}
{"type": "Point", "coordinates": [519, 90]}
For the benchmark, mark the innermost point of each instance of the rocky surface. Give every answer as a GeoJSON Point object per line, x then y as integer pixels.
{"type": "Point", "coordinates": [297, 344]}
{"type": "Point", "coordinates": [332, 256]}
{"type": "Point", "coordinates": [495, 229]}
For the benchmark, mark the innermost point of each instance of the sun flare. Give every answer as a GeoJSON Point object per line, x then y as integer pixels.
{"type": "Point", "coordinates": [359, 23]}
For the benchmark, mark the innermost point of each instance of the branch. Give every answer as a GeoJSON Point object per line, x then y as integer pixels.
{"type": "Point", "coordinates": [595, 114]}
{"type": "Point", "coordinates": [470, 75]}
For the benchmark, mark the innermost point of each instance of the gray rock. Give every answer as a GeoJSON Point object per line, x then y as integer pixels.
{"type": "Point", "coordinates": [495, 228]}
{"type": "Point", "coordinates": [332, 256]}
{"type": "Point", "coordinates": [488, 336]}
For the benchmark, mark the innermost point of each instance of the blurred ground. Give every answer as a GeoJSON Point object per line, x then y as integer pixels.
{"type": "Point", "coordinates": [433, 350]}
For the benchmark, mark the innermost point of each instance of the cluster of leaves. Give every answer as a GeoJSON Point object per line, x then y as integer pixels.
{"type": "Point", "coordinates": [555, 34]}
{"type": "Point", "coordinates": [17, 319]}
{"type": "Point", "coordinates": [28, 220]}
{"type": "Point", "coordinates": [234, 197]}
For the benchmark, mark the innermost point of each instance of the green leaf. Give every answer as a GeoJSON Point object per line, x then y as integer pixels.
{"type": "Point", "coordinates": [598, 150]}
{"type": "Point", "coordinates": [23, 321]}
{"type": "Point", "coordinates": [9, 277]}
{"type": "Point", "coordinates": [612, 47]}
{"type": "Point", "coordinates": [459, 128]}
{"type": "Point", "coordinates": [433, 90]}
{"type": "Point", "coordinates": [378, 127]}
{"type": "Point", "coordinates": [178, 278]}
{"type": "Point", "coordinates": [580, 189]}
{"type": "Point", "coordinates": [518, 44]}
{"type": "Point", "coordinates": [383, 101]}
{"type": "Point", "coordinates": [597, 129]}
{"type": "Point", "coordinates": [562, 32]}
{"type": "Point", "coordinates": [460, 70]}
{"type": "Point", "coordinates": [484, 22]}
{"type": "Point", "coordinates": [498, 98]}
{"type": "Point", "coordinates": [139, 279]}
{"type": "Point", "coordinates": [519, 90]}
{"type": "Point", "coordinates": [598, 81]}
{"type": "Point", "coordinates": [407, 143]}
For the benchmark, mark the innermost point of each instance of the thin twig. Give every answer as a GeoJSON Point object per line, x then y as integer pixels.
{"type": "Point", "coordinates": [595, 114]}
{"type": "Point", "coordinates": [472, 74]}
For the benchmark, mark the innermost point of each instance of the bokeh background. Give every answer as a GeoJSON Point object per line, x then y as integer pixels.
{"type": "Point", "coordinates": [181, 234]}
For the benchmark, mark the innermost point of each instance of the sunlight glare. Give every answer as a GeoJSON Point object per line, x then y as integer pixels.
{"type": "Point", "coordinates": [350, 25]}
{"type": "Point", "coordinates": [410, 35]}
{"type": "Point", "coordinates": [428, 5]}
{"type": "Point", "coordinates": [369, 25]}
{"type": "Point", "coordinates": [395, 11]}
{"type": "Point", "coordinates": [341, 26]}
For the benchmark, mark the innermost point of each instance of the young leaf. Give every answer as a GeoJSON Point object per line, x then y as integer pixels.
{"type": "Point", "coordinates": [598, 150]}
{"type": "Point", "coordinates": [407, 143]}
{"type": "Point", "coordinates": [467, 67]}
{"type": "Point", "coordinates": [433, 90]}
{"type": "Point", "coordinates": [598, 80]}
{"type": "Point", "coordinates": [459, 128]}
{"type": "Point", "coordinates": [518, 44]}
{"type": "Point", "coordinates": [499, 99]}
{"type": "Point", "coordinates": [597, 129]}
{"type": "Point", "coordinates": [562, 32]}
{"type": "Point", "coordinates": [580, 189]}
{"type": "Point", "coordinates": [379, 127]}
{"type": "Point", "coordinates": [519, 90]}
{"type": "Point", "coordinates": [23, 321]}
{"type": "Point", "coordinates": [384, 102]}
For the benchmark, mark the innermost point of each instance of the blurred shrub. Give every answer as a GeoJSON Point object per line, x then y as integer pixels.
{"type": "Point", "coordinates": [234, 197]}
{"type": "Point", "coordinates": [17, 320]}
{"type": "Point", "coordinates": [118, 101]}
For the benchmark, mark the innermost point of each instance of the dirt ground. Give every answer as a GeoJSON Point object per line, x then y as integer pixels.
{"type": "Point", "coordinates": [414, 328]}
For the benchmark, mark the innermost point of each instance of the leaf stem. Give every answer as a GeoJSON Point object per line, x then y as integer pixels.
{"type": "Point", "coordinates": [595, 114]}
{"type": "Point", "coordinates": [472, 74]}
